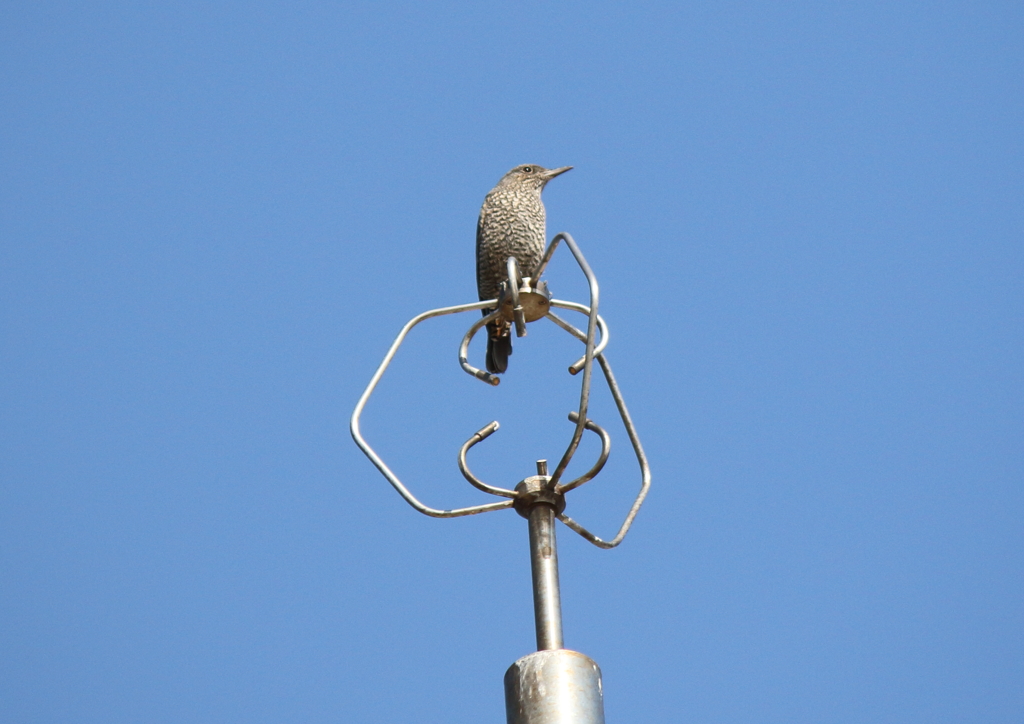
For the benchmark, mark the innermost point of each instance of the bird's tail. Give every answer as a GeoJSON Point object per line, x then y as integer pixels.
{"type": "Point", "coordinates": [499, 347]}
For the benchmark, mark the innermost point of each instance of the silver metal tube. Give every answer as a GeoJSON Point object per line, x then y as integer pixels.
{"type": "Point", "coordinates": [514, 279]}
{"type": "Point", "coordinates": [464, 350]}
{"type": "Point", "coordinates": [554, 687]}
{"type": "Point", "coordinates": [606, 448]}
{"type": "Point", "coordinates": [576, 366]}
{"type": "Point", "coordinates": [645, 470]}
{"type": "Point", "coordinates": [547, 602]}
{"type": "Point", "coordinates": [547, 257]}
{"type": "Point", "coordinates": [588, 358]}
{"type": "Point", "coordinates": [481, 434]}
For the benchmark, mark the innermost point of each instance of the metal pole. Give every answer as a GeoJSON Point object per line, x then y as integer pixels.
{"type": "Point", "coordinates": [554, 687]}
{"type": "Point", "coordinates": [547, 604]}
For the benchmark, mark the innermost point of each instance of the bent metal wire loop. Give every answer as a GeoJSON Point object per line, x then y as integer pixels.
{"type": "Point", "coordinates": [594, 350]}
{"type": "Point", "coordinates": [486, 431]}
{"type": "Point", "coordinates": [481, 434]}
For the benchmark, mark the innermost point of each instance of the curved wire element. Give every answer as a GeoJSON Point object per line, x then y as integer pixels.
{"type": "Point", "coordinates": [547, 257]}
{"type": "Point", "coordinates": [606, 448]}
{"type": "Point", "coordinates": [645, 470]}
{"type": "Point", "coordinates": [588, 360]}
{"type": "Point", "coordinates": [576, 366]}
{"type": "Point", "coordinates": [514, 280]}
{"type": "Point", "coordinates": [464, 348]}
{"type": "Point", "coordinates": [375, 459]}
{"type": "Point", "coordinates": [482, 434]}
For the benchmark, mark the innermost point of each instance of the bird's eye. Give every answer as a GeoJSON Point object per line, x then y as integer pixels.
{"type": "Point", "coordinates": [528, 169]}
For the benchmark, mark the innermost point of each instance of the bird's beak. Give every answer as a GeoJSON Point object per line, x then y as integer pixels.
{"type": "Point", "coordinates": [556, 172]}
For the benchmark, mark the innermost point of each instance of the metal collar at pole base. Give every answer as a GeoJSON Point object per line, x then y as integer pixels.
{"type": "Point", "coordinates": [554, 687]}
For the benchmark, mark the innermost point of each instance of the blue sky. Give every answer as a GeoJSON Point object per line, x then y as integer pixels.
{"type": "Point", "coordinates": [806, 220]}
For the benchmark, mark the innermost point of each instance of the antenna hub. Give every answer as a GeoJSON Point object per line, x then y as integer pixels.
{"type": "Point", "coordinates": [536, 490]}
{"type": "Point", "coordinates": [534, 299]}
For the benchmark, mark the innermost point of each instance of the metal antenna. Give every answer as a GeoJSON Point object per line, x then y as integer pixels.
{"type": "Point", "coordinates": [552, 685]}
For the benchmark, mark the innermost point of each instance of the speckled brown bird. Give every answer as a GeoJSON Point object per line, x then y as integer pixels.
{"type": "Point", "coordinates": [512, 223]}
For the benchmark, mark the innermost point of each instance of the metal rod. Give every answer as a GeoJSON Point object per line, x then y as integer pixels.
{"type": "Point", "coordinates": [588, 357]}
{"type": "Point", "coordinates": [547, 604]}
{"type": "Point", "coordinates": [606, 448]}
{"type": "Point", "coordinates": [645, 470]}
{"type": "Point", "coordinates": [547, 257]}
{"type": "Point", "coordinates": [514, 280]}
{"type": "Point", "coordinates": [482, 434]}
{"type": "Point", "coordinates": [576, 366]}
{"type": "Point", "coordinates": [464, 350]}
{"type": "Point", "coordinates": [357, 434]}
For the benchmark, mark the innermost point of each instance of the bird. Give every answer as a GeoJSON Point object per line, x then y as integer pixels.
{"type": "Point", "coordinates": [511, 223]}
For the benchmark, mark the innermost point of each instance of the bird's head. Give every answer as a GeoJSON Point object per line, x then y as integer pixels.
{"type": "Point", "coordinates": [531, 175]}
